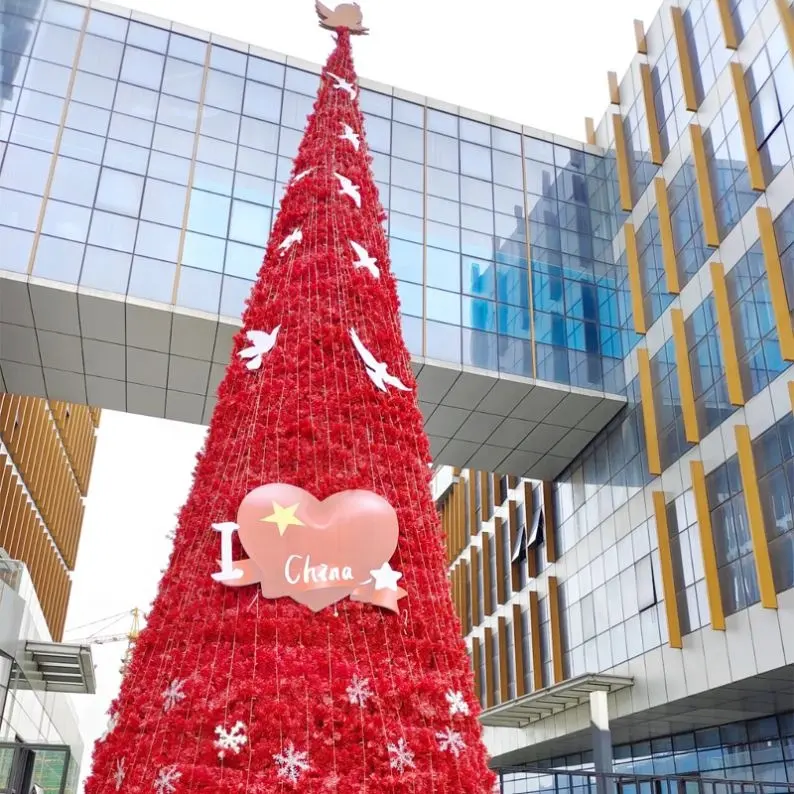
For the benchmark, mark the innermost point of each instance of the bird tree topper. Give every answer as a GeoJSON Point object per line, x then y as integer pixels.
{"type": "Point", "coordinates": [345, 15]}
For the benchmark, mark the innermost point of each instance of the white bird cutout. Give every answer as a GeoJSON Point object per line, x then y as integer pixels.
{"type": "Point", "coordinates": [376, 370]}
{"type": "Point", "coordinates": [261, 343]}
{"type": "Point", "coordinates": [350, 135]}
{"type": "Point", "coordinates": [343, 85]}
{"type": "Point", "coordinates": [365, 260]}
{"type": "Point", "coordinates": [297, 178]}
{"type": "Point", "coordinates": [349, 189]}
{"type": "Point", "coordinates": [295, 236]}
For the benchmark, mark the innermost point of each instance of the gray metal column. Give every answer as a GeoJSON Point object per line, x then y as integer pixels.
{"type": "Point", "coordinates": [602, 740]}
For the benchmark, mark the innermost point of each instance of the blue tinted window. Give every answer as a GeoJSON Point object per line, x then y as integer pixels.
{"type": "Point", "coordinates": [59, 260]}
{"type": "Point", "coordinates": [262, 101]}
{"type": "Point", "coordinates": [198, 289]}
{"type": "Point", "coordinates": [209, 213]}
{"type": "Point", "coordinates": [147, 37]}
{"type": "Point", "coordinates": [203, 252]}
{"type": "Point", "coordinates": [224, 91]}
{"type": "Point", "coordinates": [160, 242]}
{"type": "Point", "coordinates": [182, 79]}
{"type": "Point", "coordinates": [119, 192]}
{"type": "Point", "coordinates": [25, 169]}
{"type": "Point", "coordinates": [106, 270]}
{"type": "Point", "coordinates": [243, 260]}
{"type": "Point", "coordinates": [250, 223]}
{"type": "Point", "coordinates": [113, 231]}
{"type": "Point", "coordinates": [15, 245]}
{"type": "Point", "coordinates": [101, 56]}
{"type": "Point", "coordinates": [227, 60]}
{"type": "Point", "coordinates": [234, 293]}
{"type": "Point", "coordinates": [55, 44]}
{"type": "Point", "coordinates": [186, 48]}
{"type": "Point", "coordinates": [151, 279]}
{"type": "Point", "coordinates": [141, 67]}
{"type": "Point", "coordinates": [265, 71]}
{"type": "Point", "coordinates": [107, 25]}
{"type": "Point", "coordinates": [75, 181]}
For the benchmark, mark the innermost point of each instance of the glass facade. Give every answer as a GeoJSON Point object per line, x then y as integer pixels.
{"type": "Point", "coordinates": [687, 496]}
{"type": "Point", "coordinates": [758, 750]}
{"type": "Point", "coordinates": [143, 162]}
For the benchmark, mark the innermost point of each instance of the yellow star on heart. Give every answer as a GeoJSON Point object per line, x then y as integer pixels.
{"type": "Point", "coordinates": [284, 517]}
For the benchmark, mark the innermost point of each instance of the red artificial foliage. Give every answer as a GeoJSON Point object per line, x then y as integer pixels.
{"type": "Point", "coordinates": [311, 417]}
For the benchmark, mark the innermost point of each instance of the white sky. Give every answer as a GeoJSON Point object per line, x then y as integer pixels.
{"type": "Point", "coordinates": [539, 62]}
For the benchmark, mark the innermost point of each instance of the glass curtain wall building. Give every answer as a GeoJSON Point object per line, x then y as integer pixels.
{"type": "Point", "coordinates": [143, 161]}
{"type": "Point", "coordinates": [170, 154]}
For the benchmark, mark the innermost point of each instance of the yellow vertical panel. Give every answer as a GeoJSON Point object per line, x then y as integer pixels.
{"type": "Point", "coordinates": [728, 28]}
{"type": "Point", "coordinates": [475, 663]}
{"type": "Point", "coordinates": [754, 169]}
{"type": "Point", "coordinates": [489, 671]}
{"type": "Point", "coordinates": [555, 626]}
{"type": "Point", "coordinates": [473, 519]}
{"type": "Point", "coordinates": [622, 160]}
{"type": "Point", "coordinates": [648, 411]}
{"type": "Point", "coordinates": [650, 115]}
{"type": "Point", "coordinates": [705, 194]}
{"type": "Point", "coordinates": [589, 130]}
{"type": "Point", "coordinates": [777, 285]}
{"type": "Point", "coordinates": [485, 496]}
{"type": "Point", "coordinates": [635, 279]}
{"type": "Point", "coordinates": [534, 638]}
{"type": "Point", "coordinates": [730, 360]}
{"type": "Point", "coordinates": [713, 590]}
{"type": "Point", "coordinates": [518, 650]}
{"type": "Point", "coordinates": [486, 573]}
{"type": "Point", "coordinates": [755, 516]}
{"type": "Point", "coordinates": [501, 594]}
{"type": "Point", "coordinates": [504, 687]}
{"type": "Point", "coordinates": [639, 37]}
{"type": "Point", "coordinates": [666, 234]}
{"type": "Point", "coordinates": [786, 19]}
{"type": "Point", "coordinates": [515, 567]}
{"type": "Point", "coordinates": [685, 388]}
{"type": "Point", "coordinates": [614, 88]}
{"type": "Point", "coordinates": [666, 565]}
{"type": "Point", "coordinates": [684, 59]}
{"type": "Point", "coordinates": [549, 520]}
{"type": "Point", "coordinates": [791, 393]}
{"type": "Point", "coordinates": [474, 585]}
{"type": "Point", "coordinates": [465, 594]}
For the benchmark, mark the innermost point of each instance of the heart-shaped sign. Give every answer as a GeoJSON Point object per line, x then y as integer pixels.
{"type": "Point", "coordinates": [317, 553]}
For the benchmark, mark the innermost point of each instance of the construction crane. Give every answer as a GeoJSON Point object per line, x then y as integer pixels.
{"type": "Point", "coordinates": [105, 639]}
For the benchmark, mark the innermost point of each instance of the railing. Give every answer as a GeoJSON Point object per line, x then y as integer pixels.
{"type": "Point", "coordinates": [528, 780]}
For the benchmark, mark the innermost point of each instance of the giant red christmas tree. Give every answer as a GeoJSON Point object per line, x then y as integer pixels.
{"type": "Point", "coordinates": [365, 686]}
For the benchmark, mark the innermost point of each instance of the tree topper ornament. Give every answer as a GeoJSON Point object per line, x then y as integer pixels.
{"type": "Point", "coordinates": [345, 15]}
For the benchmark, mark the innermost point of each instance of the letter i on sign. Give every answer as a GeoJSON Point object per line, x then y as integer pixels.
{"type": "Point", "coordinates": [228, 572]}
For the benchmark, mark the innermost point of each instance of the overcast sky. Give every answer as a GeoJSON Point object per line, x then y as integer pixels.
{"type": "Point", "coordinates": [538, 62]}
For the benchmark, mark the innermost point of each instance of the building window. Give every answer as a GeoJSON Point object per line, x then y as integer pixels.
{"type": "Point", "coordinates": [734, 549]}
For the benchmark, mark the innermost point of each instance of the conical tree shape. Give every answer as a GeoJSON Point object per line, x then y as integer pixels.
{"type": "Point", "coordinates": [353, 698]}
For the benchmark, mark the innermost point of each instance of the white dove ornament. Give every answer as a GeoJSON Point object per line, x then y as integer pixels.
{"type": "Point", "coordinates": [377, 370]}
{"type": "Point", "coordinates": [347, 188]}
{"type": "Point", "coordinates": [261, 344]}
{"type": "Point", "coordinates": [365, 260]}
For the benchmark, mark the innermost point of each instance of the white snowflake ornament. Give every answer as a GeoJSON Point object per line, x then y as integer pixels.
{"type": "Point", "coordinates": [167, 777]}
{"type": "Point", "coordinates": [291, 763]}
{"type": "Point", "coordinates": [401, 756]}
{"type": "Point", "coordinates": [358, 693]}
{"type": "Point", "coordinates": [450, 741]}
{"type": "Point", "coordinates": [119, 773]}
{"type": "Point", "coordinates": [173, 693]}
{"type": "Point", "coordinates": [457, 704]}
{"type": "Point", "coordinates": [230, 740]}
